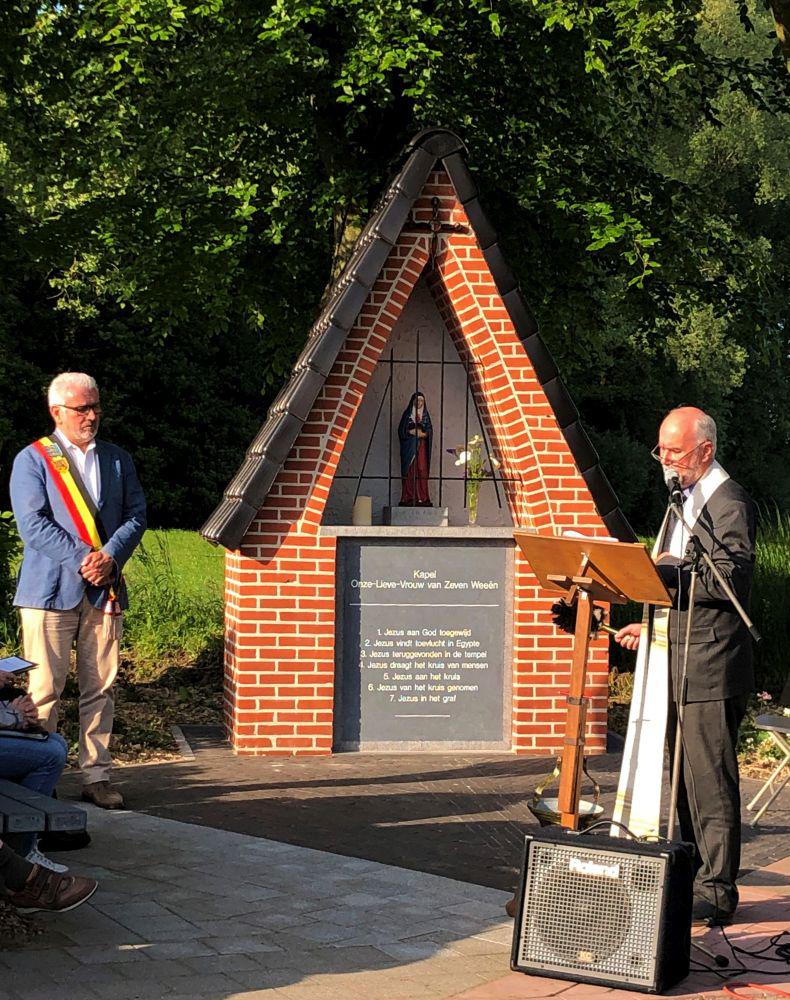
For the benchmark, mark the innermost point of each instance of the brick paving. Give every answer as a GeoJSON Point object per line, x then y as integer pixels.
{"type": "Point", "coordinates": [462, 816]}
{"type": "Point", "coordinates": [376, 876]}
{"type": "Point", "coordinates": [190, 911]}
{"type": "Point", "coordinates": [187, 911]}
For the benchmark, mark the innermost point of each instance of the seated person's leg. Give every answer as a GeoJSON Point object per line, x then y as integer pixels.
{"type": "Point", "coordinates": [37, 766]}
{"type": "Point", "coordinates": [14, 870]}
{"type": "Point", "coordinates": [31, 887]}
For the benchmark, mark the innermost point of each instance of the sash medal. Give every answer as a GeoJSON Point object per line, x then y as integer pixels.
{"type": "Point", "coordinates": [85, 516]}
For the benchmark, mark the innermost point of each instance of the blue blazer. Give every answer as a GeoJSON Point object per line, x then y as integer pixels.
{"type": "Point", "coordinates": [49, 576]}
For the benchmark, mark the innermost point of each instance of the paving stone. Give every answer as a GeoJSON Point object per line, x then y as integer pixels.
{"type": "Point", "coordinates": [265, 978]}
{"type": "Point", "coordinates": [108, 956]}
{"type": "Point", "coordinates": [37, 992]}
{"type": "Point", "coordinates": [256, 893]}
{"type": "Point", "coordinates": [320, 921]}
{"type": "Point", "coordinates": [155, 969]}
{"type": "Point", "coordinates": [344, 916]}
{"type": "Point", "coordinates": [213, 906]}
{"type": "Point", "coordinates": [111, 935]}
{"type": "Point", "coordinates": [239, 945]}
{"type": "Point", "coordinates": [142, 989]}
{"type": "Point", "coordinates": [202, 985]}
{"type": "Point", "coordinates": [225, 927]}
{"type": "Point", "coordinates": [178, 949]}
{"type": "Point", "coordinates": [232, 964]}
{"type": "Point", "coordinates": [170, 928]}
{"type": "Point", "coordinates": [101, 978]}
{"type": "Point", "coordinates": [323, 932]}
{"type": "Point", "coordinates": [476, 909]}
{"type": "Point", "coordinates": [42, 960]}
{"type": "Point", "coordinates": [409, 952]}
{"type": "Point", "coordinates": [361, 899]}
{"type": "Point", "coordinates": [136, 908]}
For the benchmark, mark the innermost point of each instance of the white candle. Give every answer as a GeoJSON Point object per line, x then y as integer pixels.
{"type": "Point", "coordinates": [363, 511]}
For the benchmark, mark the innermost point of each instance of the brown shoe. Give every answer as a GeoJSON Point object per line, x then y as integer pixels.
{"type": "Point", "coordinates": [101, 794]}
{"type": "Point", "coordinates": [510, 907]}
{"type": "Point", "coordinates": [46, 890]}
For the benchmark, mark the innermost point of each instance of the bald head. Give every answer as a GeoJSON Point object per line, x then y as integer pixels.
{"type": "Point", "coordinates": [687, 443]}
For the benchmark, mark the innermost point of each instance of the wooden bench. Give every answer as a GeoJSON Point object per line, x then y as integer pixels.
{"type": "Point", "coordinates": [23, 811]}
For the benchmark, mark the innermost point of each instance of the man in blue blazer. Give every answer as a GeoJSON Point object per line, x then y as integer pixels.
{"type": "Point", "coordinates": [70, 589]}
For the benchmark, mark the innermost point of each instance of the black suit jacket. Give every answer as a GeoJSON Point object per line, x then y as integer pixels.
{"type": "Point", "coordinates": [720, 662]}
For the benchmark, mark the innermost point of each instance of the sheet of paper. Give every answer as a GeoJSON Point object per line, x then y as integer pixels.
{"type": "Point", "coordinates": [570, 533]}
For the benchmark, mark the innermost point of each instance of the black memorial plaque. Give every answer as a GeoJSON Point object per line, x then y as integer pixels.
{"type": "Point", "coordinates": [423, 634]}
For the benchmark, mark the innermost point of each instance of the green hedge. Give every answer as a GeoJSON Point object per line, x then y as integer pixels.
{"type": "Point", "coordinates": [10, 550]}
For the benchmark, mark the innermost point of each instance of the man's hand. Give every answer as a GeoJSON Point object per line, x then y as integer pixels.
{"type": "Point", "coordinates": [98, 568]}
{"type": "Point", "coordinates": [6, 679]}
{"type": "Point", "coordinates": [628, 637]}
{"type": "Point", "coordinates": [27, 710]}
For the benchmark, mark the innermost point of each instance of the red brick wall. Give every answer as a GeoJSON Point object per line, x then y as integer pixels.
{"type": "Point", "coordinates": [280, 586]}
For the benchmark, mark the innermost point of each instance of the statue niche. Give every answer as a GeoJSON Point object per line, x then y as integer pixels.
{"type": "Point", "coordinates": [415, 434]}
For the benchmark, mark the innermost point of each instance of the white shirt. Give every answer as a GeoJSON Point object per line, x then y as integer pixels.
{"type": "Point", "coordinates": [87, 464]}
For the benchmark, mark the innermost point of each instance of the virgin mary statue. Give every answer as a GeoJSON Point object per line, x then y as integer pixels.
{"type": "Point", "coordinates": [415, 433]}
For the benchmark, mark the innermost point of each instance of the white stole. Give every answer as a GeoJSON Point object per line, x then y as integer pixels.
{"type": "Point", "coordinates": [638, 802]}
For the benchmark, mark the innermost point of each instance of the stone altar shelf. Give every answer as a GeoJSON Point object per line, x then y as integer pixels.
{"type": "Point", "coordinates": [405, 531]}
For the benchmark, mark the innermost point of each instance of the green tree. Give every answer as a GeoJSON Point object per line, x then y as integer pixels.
{"type": "Point", "coordinates": [181, 180]}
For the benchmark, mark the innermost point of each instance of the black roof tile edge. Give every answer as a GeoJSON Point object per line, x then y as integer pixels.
{"type": "Point", "coordinates": [229, 522]}
{"type": "Point", "coordinates": [226, 526]}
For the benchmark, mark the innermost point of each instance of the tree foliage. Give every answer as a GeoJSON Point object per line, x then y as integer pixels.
{"type": "Point", "coordinates": [179, 181]}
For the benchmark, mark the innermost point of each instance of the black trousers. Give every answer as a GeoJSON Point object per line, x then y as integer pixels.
{"type": "Point", "coordinates": [709, 801]}
{"type": "Point", "coordinates": [14, 870]}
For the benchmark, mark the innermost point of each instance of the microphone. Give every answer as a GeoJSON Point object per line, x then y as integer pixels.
{"type": "Point", "coordinates": [721, 960]}
{"type": "Point", "coordinates": [673, 485]}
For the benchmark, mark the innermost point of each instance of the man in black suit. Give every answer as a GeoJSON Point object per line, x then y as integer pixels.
{"type": "Point", "coordinates": [719, 670]}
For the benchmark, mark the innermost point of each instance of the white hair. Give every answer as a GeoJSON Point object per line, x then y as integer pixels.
{"type": "Point", "coordinates": [706, 430]}
{"type": "Point", "coordinates": [61, 384]}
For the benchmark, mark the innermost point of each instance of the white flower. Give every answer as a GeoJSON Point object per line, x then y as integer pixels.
{"type": "Point", "coordinates": [475, 440]}
{"type": "Point", "coordinates": [463, 458]}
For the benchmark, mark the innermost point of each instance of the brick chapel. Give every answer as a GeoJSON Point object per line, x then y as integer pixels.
{"type": "Point", "coordinates": [352, 623]}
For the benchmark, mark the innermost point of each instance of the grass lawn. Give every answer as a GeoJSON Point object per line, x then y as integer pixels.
{"type": "Point", "coordinates": [197, 565]}
{"type": "Point", "coordinates": [171, 652]}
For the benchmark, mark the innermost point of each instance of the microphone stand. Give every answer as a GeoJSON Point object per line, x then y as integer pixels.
{"type": "Point", "coordinates": [694, 552]}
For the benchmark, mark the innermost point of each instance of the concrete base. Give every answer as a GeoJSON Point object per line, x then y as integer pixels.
{"type": "Point", "coordinates": [424, 517]}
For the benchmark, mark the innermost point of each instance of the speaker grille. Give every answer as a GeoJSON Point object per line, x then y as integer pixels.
{"type": "Point", "coordinates": [589, 910]}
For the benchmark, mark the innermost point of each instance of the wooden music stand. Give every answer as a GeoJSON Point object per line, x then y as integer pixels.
{"type": "Point", "coordinates": [585, 570]}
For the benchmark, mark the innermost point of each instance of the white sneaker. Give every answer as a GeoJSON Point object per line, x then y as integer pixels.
{"type": "Point", "coordinates": [37, 858]}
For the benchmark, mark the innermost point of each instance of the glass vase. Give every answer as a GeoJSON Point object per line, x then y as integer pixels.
{"type": "Point", "coordinates": [471, 499]}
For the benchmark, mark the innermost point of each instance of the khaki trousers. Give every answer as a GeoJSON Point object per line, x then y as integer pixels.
{"type": "Point", "coordinates": [48, 640]}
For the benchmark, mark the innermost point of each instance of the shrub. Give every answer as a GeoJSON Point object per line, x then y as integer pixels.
{"type": "Point", "coordinates": [10, 551]}
{"type": "Point", "coordinates": [771, 600]}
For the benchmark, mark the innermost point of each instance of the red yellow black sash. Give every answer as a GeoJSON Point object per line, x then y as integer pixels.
{"type": "Point", "coordinates": [78, 502]}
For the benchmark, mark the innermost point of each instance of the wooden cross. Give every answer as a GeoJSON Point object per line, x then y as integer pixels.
{"type": "Point", "coordinates": [435, 226]}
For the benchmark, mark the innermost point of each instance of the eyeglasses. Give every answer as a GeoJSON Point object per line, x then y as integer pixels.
{"type": "Point", "coordinates": [83, 410]}
{"type": "Point", "coordinates": [676, 459]}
